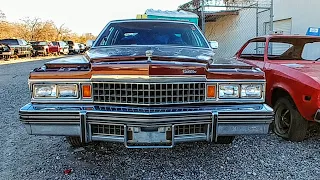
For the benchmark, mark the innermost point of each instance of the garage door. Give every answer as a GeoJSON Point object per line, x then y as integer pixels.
{"type": "Point", "coordinates": [284, 26]}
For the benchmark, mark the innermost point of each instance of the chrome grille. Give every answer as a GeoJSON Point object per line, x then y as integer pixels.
{"type": "Point", "coordinates": [111, 130]}
{"type": "Point", "coordinates": [149, 93]}
{"type": "Point", "coordinates": [190, 129]}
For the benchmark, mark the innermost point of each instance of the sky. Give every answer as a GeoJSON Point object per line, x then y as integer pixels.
{"type": "Point", "coordinates": [83, 16]}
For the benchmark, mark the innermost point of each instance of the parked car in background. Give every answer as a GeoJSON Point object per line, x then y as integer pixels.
{"type": "Point", "coordinates": [73, 47]}
{"type": "Point", "coordinates": [19, 47]}
{"type": "Point", "coordinates": [62, 46]}
{"type": "Point", "coordinates": [76, 48]}
{"type": "Point", "coordinates": [147, 84]}
{"type": "Point", "coordinates": [5, 51]}
{"type": "Point", "coordinates": [89, 44]}
{"type": "Point", "coordinates": [82, 47]}
{"type": "Point", "coordinates": [292, 67]}
{"type": "Point", "coordinates": [45, 48]}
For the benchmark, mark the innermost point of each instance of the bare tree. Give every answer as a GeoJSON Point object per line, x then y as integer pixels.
{"type": "Point", "coordinates": [35, 29]}
{"type": "Point", "coordinates": [31, 25]}
{"type": "Point", "coordinates": [62, 32]}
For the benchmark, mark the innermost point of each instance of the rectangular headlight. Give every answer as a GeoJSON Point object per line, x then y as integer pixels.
{"type": "Point", "coordinates": [44, 91]}
{"type": "Point", "coordinates": [68, 91]}
{"type": "Point", "coordinates": [55, 91]}
{"type": "Point", "coordinates": [251, 91]}
{"type": "Point", "coordinates": [229, 91]}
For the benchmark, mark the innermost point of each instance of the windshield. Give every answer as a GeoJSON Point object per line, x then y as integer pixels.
{"type": "Point", "coordinates": [55, 43]}
{"type": "Point", "coordinates": [152, 33]}
{"type": "Point", "coordinates": [294, 49]}
{"type": "Point", "coordinates": [9, 41]}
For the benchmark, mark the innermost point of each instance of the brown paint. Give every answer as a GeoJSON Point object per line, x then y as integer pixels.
{"type": "Point", "coordinates": [147, 68]}
{"type": "Point", "coordinates": [60, 75]}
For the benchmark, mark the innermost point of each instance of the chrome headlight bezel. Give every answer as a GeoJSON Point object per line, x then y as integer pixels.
{"type": "Point", "coordinates": [229, 87]}
{"type": "Point", "coordinates": [56, 91]}
{"type": "Point", "coordinates": [38, 87]}
{"type": "Point", "coordinates": [239, 90]}
{"type": "Point", "coordinates": [72, 87]}
{"type": "Point", "coordinates": [259, 92]}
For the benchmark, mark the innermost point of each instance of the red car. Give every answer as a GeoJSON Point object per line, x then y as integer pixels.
{"type": "Point", "coordinates": [292, 68]}
{"type": "Point", "coordinates": [44, 48]}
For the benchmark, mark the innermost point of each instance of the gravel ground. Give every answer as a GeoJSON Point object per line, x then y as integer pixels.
{"type": "Point", "coordinates": [34, 157]}
{"type": "Point", "coordinates": [26, 59]}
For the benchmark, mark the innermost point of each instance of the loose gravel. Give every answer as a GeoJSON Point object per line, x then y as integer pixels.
{"type": "Point", "coordinates": [36, 157]}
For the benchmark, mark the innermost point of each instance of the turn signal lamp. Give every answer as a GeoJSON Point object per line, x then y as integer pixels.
{"type": "Point", "coordinates": [86, 91]}
{"type": "Point", "coordinates": [211, 91]}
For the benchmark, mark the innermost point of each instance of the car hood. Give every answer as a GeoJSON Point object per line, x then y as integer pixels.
{"type": "Point", "coordinates": [160, 55]}
{"type": "Point", "coordinates": [201, 54]}
{"type": "Point", "coordinates": [311, 69]}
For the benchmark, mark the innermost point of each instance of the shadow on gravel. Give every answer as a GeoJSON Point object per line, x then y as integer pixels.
{"type": "Point", "coordinates": [314, 131]}
{"type": "Point", "coordinates": [133, 163]}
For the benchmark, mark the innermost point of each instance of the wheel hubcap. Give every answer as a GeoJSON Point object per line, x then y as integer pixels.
{"type": "Point", "coordinates": [283, 120]}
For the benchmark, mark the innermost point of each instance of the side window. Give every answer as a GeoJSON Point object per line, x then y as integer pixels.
{"type": "Point", "coordinates": [105, 41]}
{"type": "Point", "coordinates": [24, 43]}
{"type": "Point", "coordinates": [278, 48]}
{"type": "Point", "coordinates": [20, 42]}
{"type": "Point", "coordinates": [311, 51]}
{"type": "Point", "coordinates": [254, 51]}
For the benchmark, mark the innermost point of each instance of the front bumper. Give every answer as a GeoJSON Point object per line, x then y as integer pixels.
{"type": "Point", "coordinates": [146, 127]}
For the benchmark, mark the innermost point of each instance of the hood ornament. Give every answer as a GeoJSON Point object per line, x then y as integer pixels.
{"type": "Point", "coordinates": [149, 54]}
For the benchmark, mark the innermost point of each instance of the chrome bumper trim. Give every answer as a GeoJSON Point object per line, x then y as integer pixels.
{"type": "Point", "coordinates": [77, 120]}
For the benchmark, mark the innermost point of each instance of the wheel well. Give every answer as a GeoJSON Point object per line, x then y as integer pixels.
{"type": "Point", "coordinates": [277, 93]}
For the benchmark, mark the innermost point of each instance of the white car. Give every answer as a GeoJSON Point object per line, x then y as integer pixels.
{"type": "Point", "coordinates": [76, 48]}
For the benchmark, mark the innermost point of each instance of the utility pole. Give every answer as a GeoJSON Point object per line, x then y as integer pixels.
{"type": "Point", "coordinates": [203, 26]}
{"type": "Point", "coordinates": [271, 17]}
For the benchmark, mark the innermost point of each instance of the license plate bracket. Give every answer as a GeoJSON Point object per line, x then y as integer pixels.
{"type": "Point", "coordinates": [146, 137]}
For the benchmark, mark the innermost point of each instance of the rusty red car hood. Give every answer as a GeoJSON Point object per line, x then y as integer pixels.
{"type": "Point", "coordinates": [309, 68]}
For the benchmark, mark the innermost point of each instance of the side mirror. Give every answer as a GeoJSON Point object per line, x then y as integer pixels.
{"type": "Point", "coordinates": [214, 44]}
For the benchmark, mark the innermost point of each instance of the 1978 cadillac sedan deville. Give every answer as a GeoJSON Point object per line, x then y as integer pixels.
{"type": "Point", "coordinates": [147, 84]}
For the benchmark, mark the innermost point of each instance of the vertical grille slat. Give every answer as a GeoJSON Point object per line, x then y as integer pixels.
{"type": "Point", "coordinates": [149, 93]}
{"type": "Point", "coordinates": [190, 129]}
{"type": "Point", "coordinates": [104, 129]}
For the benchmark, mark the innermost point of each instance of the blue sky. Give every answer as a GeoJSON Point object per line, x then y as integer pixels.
{"type": "Point", "coordinates": [83, 16]}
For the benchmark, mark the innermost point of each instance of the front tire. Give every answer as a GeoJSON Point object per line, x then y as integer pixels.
{"type": "Point", "coordinates": [74, 141]}
{"type": "Point", "coordinates": [288, 123]}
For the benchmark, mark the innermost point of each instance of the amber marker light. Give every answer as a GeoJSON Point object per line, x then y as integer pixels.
{"type": "Point", "coordinates": [86, 91]}
{"type": "Point", "coordinates": [211, 91]}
